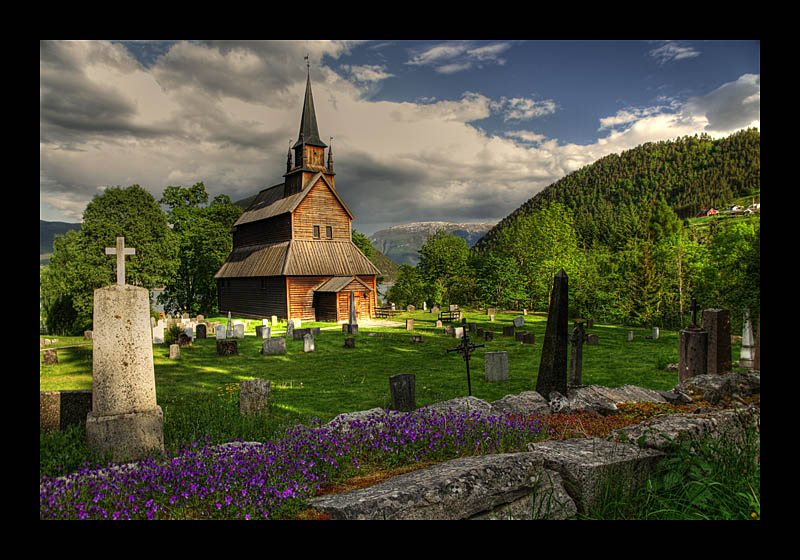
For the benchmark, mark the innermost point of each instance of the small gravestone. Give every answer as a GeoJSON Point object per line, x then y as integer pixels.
{"type": "Point", "coordinates": [228, 347]}
{"type": "Point", "coordinates": [200, 331]}
{"type": "Point", "coordinates": [472, 327]}
{"type": "Point", "coordinates": [273, 346]}
{"type": "Point", "coordinates": [576, 339]}
{"type": "Point", "coordinates": [50, 357]}
{"type": "Point", "coordinates": [350, 342]}
{"type": "Point", "coordinates": [435, 308]}
{"type": "Point", "coordinates": [174, 351]}
{"type": "Point", "coordinates": [717, 323]}
{"type": "Point", "coordinates": [488, 335]}
{"type": "Point", "coordinates": [410, 308]}
{"type": "Point", "coordinates": [409, 324]}
{"type": "Point", "coordinates": [630, 336]}
{"type": "Point", "coordinates": [496, 366]}
{"type": "Point", "coordinates": [308, 342]}
{"type": "Point", "coordinates": [274, 320]}
{"type": "Point", "coordinates": [529, 338]}
{"type": "Point", "coordinates": [403, 388]}
{"type": "Point", "coordinates": [524, 311]}
{"type": "Point", "coordinates": [219, 332]}
{"type": "Point", "coordinates": [417, 338]}
{"type": "Point", "coordinates": [479, 332]}
{"type": "Point", "coordinates": [424, 305]}
{"type": "Point", "coordinates": [508, 330]}
{"type": "Point", "coordinates": [254, 396]}
{"type": "Point", "coordinates": [592, 340]}
{"type": "Point", "coordinates": [183, 340]}
{"type": "Point", "coordinates": [519, 321]}
{"type": "Point", "coordinates": [238, 330]}
{"type": "Point", "coordinates": [656, 333]}
{"type": "Point", "coordinates": [439, 324]}
{"type": "Point", "coordinates": [458, 332]}
{"type": "Point", "coordinates": [491, 318]}
{"type": "Point", "coordinates": [290, 329]}
{"type": "Point", "coordinates": [449, 330]}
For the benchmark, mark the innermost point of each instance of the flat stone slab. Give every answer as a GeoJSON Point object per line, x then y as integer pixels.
{"type": "Point", "coordinates": [527, 402]}
{"type": "Point", "coordinates": [588, 465]}
{"type": "Point", "coordinates": [659, 431]}
{"type": "Point", "coordinates": [458, 489]}
{"type": "Point", "coordinates": [603, 400]}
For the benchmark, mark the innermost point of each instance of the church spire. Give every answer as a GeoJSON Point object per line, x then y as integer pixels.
{"type": "Point", "coordinates": [309, 133]}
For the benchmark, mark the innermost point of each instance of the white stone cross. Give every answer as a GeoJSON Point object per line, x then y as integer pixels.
{"type": "Point", "coordinates": [120, 251]}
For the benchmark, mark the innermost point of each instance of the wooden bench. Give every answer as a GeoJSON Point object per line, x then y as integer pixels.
{"type": "Point", "coordinates": [386, 312]}
{"type": "Point", "coordinates": [449, 315]}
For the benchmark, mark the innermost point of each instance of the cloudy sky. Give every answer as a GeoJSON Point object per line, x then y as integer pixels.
{"type": "Point", "coordinates": [422, 130]}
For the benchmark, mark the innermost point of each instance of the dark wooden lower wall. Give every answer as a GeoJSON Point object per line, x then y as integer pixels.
{"type": "Point", "coordinates": [256, 298]}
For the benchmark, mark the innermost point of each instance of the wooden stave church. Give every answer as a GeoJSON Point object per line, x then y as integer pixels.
{"type": "Point", "coordinates": [293, 255]}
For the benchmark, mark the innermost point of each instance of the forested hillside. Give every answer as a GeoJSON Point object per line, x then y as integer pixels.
{"type": "Point", "coordinates": [691, 173]}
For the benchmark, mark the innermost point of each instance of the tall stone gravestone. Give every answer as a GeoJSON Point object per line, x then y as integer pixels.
{"type": "Point", "coordinates": [125, 418]}
{"type": "Point", "coordinates": [692, 349]}
{"type": "Point", "coordinates": [748, 343]}
{"type": "Point", "coordinates": [717, 323]}
{"type": "Point", "coordinates": [553, 366]}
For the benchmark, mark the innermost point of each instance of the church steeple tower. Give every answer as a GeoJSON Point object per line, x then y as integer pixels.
{"type": "Point", "coordinates": [309, 150]}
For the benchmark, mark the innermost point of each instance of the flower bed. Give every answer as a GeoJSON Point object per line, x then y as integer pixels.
{"type": "Point", "coordinates": [275, 479]}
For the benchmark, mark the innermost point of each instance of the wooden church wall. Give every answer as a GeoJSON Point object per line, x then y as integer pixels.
{"type": "Point", "coordinates": [320, 208]}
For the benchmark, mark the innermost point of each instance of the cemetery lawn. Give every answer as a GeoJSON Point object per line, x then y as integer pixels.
{"type": "Point", "coordinates": [198, 393]}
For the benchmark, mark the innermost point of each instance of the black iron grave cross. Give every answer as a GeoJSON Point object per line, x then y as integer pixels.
{"type": "Point", "coordinates": [694, 308]}
{"type": "Point", "coordinates": [465, 349]}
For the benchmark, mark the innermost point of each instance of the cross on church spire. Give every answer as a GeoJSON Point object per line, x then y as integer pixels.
{"type": "Point", "coordinates": [120, 250]}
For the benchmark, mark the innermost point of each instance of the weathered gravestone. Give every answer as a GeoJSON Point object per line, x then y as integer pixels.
{"type": "Point", "coordinates": [349, 342]}
{"type": "Point", "coordinates": [174, 351]}
{"type": "Point", "coordinates": [438, 323]}
{"type": "Point", "coordinates": [254, 396]}
{"type": "Point", "coordinates": [748, 343]}
{"type": "Point", "coordinates": [228, 347]}
{"type": "Point", "coordinates": [273, 346]}
{"type": "Point", "coordinates": [403, 389]}
{"type": "Point", "coordinates": [238, 330]}
{"type": "Point", "coordinates": [553, 365]}
{"type": "Point", "coordinates": [508, 330]}
{"type": "Point", "coordinates": [692, 349]}
{"type": "Point", "coordinates": [519, 322]}
{"type": "Point", "coordinates": [183, 340]}
{"type": "Point", "coordinates": [308, 342]}
{"type": "Point", "coordinates": [409, 324]}
{"type": "Point", "coordinates": [592, 340]}
{"type": "Point", "coordinates": [219, 332]}
{"type": "Point", "coordinates": [630, 336]}
{"type": "Point", "coordinates": [290, 329]}
{"type": "Point", "coordinates": [717, 323]}
{"type": "Point", "coordinates": [576, 339]}
{"type": "Point", "coordinates": [125, 418]}
{"type": "Point", "coordinates": [496, 366]}
{"type": "Point", "coordinates": [656, 333]}
{"type": "Point", "coordinates": [50, 357]}
{"type": "Point", "coordinates": [200, 331]}
{"type": "Point", "coordinates": [263, 331]}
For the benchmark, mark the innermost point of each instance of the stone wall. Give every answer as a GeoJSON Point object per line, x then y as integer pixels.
{"type": "Point", "coordinates": [553, 479]}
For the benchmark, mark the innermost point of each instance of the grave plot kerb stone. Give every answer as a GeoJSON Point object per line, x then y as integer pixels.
{"type": "Point", "coordinates": [588, 465]}
{"type": "Point", "coordinates": [458, 489]}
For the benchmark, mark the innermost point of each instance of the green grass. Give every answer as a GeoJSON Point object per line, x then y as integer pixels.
{"type": "Point", "coordinates": [199, 392]}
